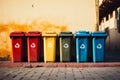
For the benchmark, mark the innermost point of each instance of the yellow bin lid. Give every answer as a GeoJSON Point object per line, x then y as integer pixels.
{"type": "Point", "coordinates": [49, 33]}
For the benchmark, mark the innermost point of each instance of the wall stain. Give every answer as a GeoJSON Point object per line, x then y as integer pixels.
{"type": "Point", "coordinates": [6, 29]}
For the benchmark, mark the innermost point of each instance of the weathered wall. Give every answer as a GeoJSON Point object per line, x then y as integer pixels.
{"type": "Point", "coordinates": [76, 14]}
{"type": "Point", "coordinates": [113, 40]}
{"type": "Point", "coordinates": [42, 15]}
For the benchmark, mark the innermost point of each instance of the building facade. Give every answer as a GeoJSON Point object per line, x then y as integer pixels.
{"type": "Point", "coordinates": [109, 20]}
{"type": "Point", "coordinates": [43, 15]}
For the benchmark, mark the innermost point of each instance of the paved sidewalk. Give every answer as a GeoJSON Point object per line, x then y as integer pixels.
{"type": "Point", "coordinates": [58, 64]}
{"type": "Point", "coordinates": [60, 73]}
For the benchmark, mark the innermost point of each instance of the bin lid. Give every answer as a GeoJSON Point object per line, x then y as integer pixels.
{"type": "Point", "coordinates": [98, 33]}
{"type": "Point", "coordinates": [34, 33]}
{"type": "Point", "coordinates": [67, 34]}
{"type": "Point", "coordinates": [17, 34]}
{"type": "Point", "coordinates": [49, 33]}
{"type": "Point", "coordinates": [82, 33]}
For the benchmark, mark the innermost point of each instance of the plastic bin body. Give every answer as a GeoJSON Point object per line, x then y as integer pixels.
{"type": "Point", "coordinates": [65, 39]}
{"type": "Point", "coordinates": [33, 42]}
{"type": "Point", "coordinates": [49, 46]}
{"type": "Point", "coordinates": [18, 46]}
{"type": "Point", "coordinates": [82, 44]}
{"type": "Point", "coordinates": [118, 19]}
{"type": "Point", "coordinates": [98, 42]}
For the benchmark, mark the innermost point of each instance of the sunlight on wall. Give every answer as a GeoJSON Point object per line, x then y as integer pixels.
{"type": "Point", "coordinates": [6, 29]}
{"type": "Point", "coordinates": [43, 15]}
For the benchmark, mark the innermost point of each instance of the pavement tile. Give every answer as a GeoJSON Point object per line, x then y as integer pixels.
{"type": "Point", "coordinates": [60, 73]}
{"type": "Point", "coordinates": [17, 78]}
{"type": "Point", "coordinates": [43, 78]}
{"type": "Point", "coordinates": [79, 79]}
{"type": "Point", "coordinates": [57, 64]}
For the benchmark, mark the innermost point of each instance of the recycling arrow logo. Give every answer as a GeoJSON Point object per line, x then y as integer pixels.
{"type": "Point", "coordinates": [33, 45]}
{"type": "Point", "coordinates": [66, 45]}
{"type": "Point", "coordinates": [82, 46]}
{"type": "Point", "coordinates": [50, 45]}
{"type": "Point", "coordinates": [17, 45]}
{"type": "Point", "coordinates": [99, 46]}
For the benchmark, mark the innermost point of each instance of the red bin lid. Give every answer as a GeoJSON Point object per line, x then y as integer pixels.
{"type": "Point", "coordinates": [15, 34]}
{"type": "Point", "coordinates": [34, 33]}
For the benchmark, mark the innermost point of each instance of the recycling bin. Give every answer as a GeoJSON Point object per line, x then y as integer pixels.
{"type": "Point", "coordinates": [118, 19]}
{"type": "Point", "coordinates": [65, 39]}
{"type": "Point", "coordinates": [49, 39]}
{"type": "Point", "coordinates": [82, 44]}
{"type": "Point", "coordinates": [98, 43]}
{"type": "Point", "coordinates": [33, 44]}
{"type": "Point", "coordinates": [18, 46]}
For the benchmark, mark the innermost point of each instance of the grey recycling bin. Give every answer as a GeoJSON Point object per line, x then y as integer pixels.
{"type": "Point", "coordinates": [65, 39]}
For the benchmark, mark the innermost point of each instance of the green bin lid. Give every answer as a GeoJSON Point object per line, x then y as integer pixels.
{"type": "Point", "coordinates": [66, 34]}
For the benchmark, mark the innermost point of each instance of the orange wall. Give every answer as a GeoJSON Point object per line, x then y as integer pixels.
{"type": "Point", "coordinates": [76, 14]}
{"type": "Point", "coordinates": [42, 15]}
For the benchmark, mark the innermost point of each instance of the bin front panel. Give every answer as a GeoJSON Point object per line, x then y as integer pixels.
{"type": "Point", "coordinates": [65, 49]}
{"type": "Point", "coordinates": [33, 49]}
{"type": "Point", "coordinates": [98, 49]}
{"type": "Point", "coordinates": [82, 49]}
{"type": "Point", "coordinates": [49, 48]}
{"type": "Point", "coordinates": [118, 19]}
{"type": "Point", "coordinates": [17, 49]}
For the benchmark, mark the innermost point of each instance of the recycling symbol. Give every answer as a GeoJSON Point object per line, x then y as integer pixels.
{"type": "Point", "coordinates": [99, 46]}
{"type": "Point", "coordinates": [33, 45]}
{"type": "Point", "coordinates": [50, 45]}
{"type": "Point", "coordinates": [82, 46]}
{"type": "Point", "coordinates": [65, 45]}
{"type": "Point", "coordinates": [17, 45]}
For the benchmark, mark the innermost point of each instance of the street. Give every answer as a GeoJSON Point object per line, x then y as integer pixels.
{"type": "Point", "coordinates": [60, 73]}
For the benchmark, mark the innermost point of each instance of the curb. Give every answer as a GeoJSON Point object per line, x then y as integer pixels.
{"type": "Point", "coordinates": [57, 64]}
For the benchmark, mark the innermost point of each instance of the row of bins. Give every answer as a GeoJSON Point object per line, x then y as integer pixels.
{"type": "Point", "coordinates": [28, 45]}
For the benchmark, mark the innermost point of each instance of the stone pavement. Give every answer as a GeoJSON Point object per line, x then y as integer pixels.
{"type": "Point", "coordinates": [58, 64]}
{"type": "Point", "coordinates": [60, 73]}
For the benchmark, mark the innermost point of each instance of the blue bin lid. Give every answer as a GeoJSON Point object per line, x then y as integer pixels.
{"type": "Point", "coordinates": [82, 33]}
{"type": "Point", "coordinates": [104, 34]}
